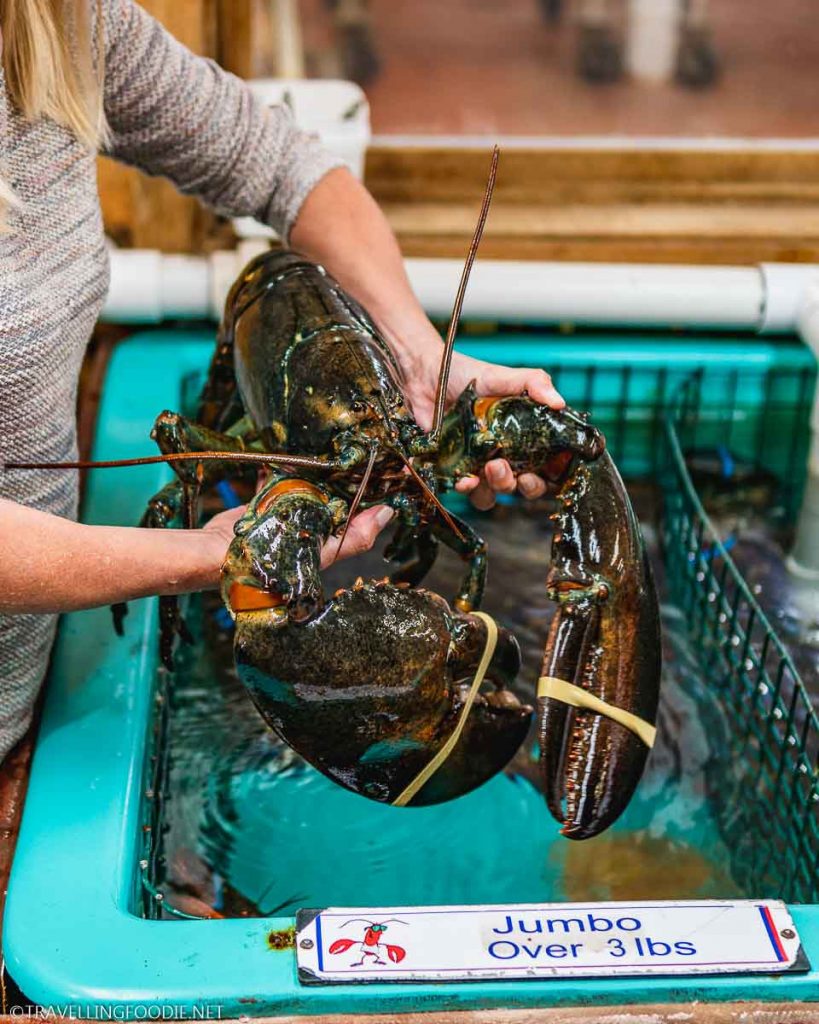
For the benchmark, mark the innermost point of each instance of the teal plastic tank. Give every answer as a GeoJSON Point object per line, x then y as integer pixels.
{"type": "Point", "coordinates": [73, 932]}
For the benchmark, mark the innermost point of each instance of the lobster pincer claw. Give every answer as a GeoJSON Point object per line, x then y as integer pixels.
{"type": "Point", "coordinates": [496, 724]}
{"type": "Point", "coordinates": [372, 688]}
{"type": "Point", "coordinates": [274, 560]}
{"type": "Point", "coordinates": [599, 687]}
{"type": "Point", "coordinates": [532, 437]}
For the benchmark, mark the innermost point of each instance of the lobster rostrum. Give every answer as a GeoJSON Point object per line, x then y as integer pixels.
{"type": "Point", "coordinates": [379, 685]}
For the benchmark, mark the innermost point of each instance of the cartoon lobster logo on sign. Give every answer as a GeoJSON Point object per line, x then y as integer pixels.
{"type": "Point", "coordinates": [371, 945]}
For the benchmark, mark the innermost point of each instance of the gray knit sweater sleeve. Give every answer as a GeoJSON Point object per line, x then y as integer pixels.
{"type": "Point", "coordinates": [170, 113]}
{"type": "Point", "coordinates": [174, 114]}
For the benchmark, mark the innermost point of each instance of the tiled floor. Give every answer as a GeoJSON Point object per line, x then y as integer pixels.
{"type": "Point", "coordinates": [493, 67]}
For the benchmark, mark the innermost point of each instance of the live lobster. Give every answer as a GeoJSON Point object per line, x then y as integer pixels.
{"type": "Point", "coordinates": [378, 685]}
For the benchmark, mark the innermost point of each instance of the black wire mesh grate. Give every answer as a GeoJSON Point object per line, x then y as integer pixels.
{"type": "Point", "coordinates": [770, 809]}
{"type": "Point", "coordinates": [653, 424]}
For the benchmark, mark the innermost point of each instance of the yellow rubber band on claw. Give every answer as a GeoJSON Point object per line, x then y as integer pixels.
{"type": "Point", "coordinates": [426, 774]}
{"type": "Point", "coordinates": [568, 693]}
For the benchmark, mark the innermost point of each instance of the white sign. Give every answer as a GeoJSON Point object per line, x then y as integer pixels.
{"type": "Point", "coordinates": [550, 940]}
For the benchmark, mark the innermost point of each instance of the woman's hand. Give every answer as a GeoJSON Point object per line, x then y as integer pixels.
{"type": "Point", "coordinates": [361, 535]}
{"type": "Point", "coordinates": [490, 379]}
{"type": "Point", "coordinates": [217, 534]}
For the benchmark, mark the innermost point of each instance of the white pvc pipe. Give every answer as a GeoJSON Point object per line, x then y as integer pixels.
{"type": "Point", "coordinates": [652, 38]}
{"type": "Point", "coordinates": [643, 295]}
{"type": "Point", "coordinates": [148, 287]}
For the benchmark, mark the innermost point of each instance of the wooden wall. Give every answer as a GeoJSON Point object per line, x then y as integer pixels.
{"type": "Point", "coordinates": [146, 212]}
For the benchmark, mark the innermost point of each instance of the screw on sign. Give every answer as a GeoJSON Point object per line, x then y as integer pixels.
{"type": "Point", "coordinates": [371, 945]}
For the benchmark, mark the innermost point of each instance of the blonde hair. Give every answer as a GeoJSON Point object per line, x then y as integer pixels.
{"type": "Point", "coordinates": [52, 69]}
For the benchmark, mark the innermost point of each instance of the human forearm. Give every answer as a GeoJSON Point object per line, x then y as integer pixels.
{"type": "Point", "coordinates": [341, 226]}
{"type": "Point", "coordinates": [67, 566]}
{"type": "Point", "coordinates": [50, 564]}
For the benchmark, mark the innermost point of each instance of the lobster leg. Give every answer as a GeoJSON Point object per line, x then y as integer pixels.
{"type": "Point", "coordinates": [170, 503]}
{"type": "Point", "coordinates": [165, 506]}
{"type": "Point", "coordinates": [219, 402]}
{"type": "Point", "coordinates": [471, 547]}
{"type": "Point", "coordinates": [174, 433]}
{"type": "Point", "coordinates": [172, 624]}
{"type": "Point", "coordinates": [414, 548]}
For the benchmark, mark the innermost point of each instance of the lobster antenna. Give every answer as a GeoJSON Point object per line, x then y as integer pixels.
{"type": "Point", "coordinates": [433, 497]}
{"type": "Point", "coordinates": [306, 461]}
{"type": "Point", "coordinates": [359, 494]}
{"type": "Point", "coordinates": [452, 330]}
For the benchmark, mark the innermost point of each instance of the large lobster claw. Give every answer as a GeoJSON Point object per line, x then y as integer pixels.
{"type": "Point", "coordinates": [370, 689]}
{"type": "Point", "coordinates": [601, 670]}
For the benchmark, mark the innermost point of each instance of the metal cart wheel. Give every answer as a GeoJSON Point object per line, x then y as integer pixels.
{"type": "Point", "coordinates": [697, 62]}
{"type": "Point", "coordinates": [599, 54]}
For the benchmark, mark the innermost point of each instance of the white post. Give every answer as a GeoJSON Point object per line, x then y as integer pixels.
{"type": "Point", "coordinates": [652, 39]}
{"type": "Point", "coordinates": [288, 42]}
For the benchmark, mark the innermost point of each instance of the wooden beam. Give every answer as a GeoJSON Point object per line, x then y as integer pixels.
{"type": "Point", "coordinates": [558, 174]}
{"type": "Point", "coordinates": [653, 232]}
{"type": "Point", "coordinates": [235, 46]}
{"type": "Point", "coordinates": [719, 206]}
{"type": "Point", "coordinates": [14, 773]}
{"type": "Point", "coordinates": [629, 1013]}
